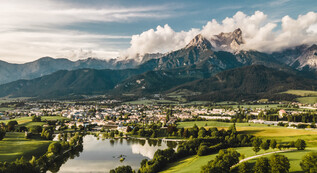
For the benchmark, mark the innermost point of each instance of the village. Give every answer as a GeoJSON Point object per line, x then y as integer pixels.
{"type": "Point", "coordinates": [118, 116]}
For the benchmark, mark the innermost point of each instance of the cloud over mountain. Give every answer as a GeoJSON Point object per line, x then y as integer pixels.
{"type": "Point", "coordinates": [258, 31]}
{"type": "Point", "coordinates": [163, 39]}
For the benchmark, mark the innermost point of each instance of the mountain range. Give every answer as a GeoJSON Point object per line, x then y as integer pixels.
{"type": "Point", "coordinates": [213, 68]}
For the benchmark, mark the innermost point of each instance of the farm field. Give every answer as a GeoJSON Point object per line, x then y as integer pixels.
{"type": "Point", "coordinates": [188, 124]}
{"type": "Point", "coordinates": [5, 109]}
{"type": "Point", "coordinates": [144, 102]}
{"type": "Point", "coordinates": [301, 92]}
{"type": "Point", "coordinates": [14, 145]}
{"type": "Point", "coordinates": [307, 100]}
{"type": "Point", "coordinates": [27, 121]}
{"type": "Point", "coordinates": [264, 106]}
{"type": "Point", "coordinates": [251, 128]}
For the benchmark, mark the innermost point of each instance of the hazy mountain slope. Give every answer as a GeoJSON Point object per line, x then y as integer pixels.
{"type": "Point", "coordinates": [44, 66]}
{"type": "Point", "coordinates": [63, 83]}
{"type": "Point", "coordinates": [155, 82]}
{"type": "Point", "coordinates": [251, 82]}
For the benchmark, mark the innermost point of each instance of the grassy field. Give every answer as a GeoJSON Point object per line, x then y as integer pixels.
{"type": "Point", "coordinates": [307, 100]}
{"type": "Point", "coordinates": [251, 128]}
{"type": "Point", "coordinates": [5, 109]}
{"type": "Point", "coordinates": [14, 145]}
{"type": "Point", "coordinates": [144, 102]}
{"type": "Point", "coordinates": [27, 121]}
{"type": "Point", "coordinates": [264, 106]}
{"type": "Point", "coordinates": [194, 163]}
{"type": "Point", "coordinates": [281, 134]}
{"type": "Point", "coordinates": [188, 124]}
{"type": "Point", "coordinates": [295, 157]}
{"type": "Point", "coordinates": [302, 93]}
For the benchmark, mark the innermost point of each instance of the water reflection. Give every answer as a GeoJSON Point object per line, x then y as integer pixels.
{"type": "Point", "coordinates": [103, 155]}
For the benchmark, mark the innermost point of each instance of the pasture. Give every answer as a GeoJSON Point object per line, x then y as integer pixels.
{"type": "Point", "coordinates": [14, 146]}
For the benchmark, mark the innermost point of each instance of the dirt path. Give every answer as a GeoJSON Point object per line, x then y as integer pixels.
{"type": "Point", "coordinates": [252, 157]}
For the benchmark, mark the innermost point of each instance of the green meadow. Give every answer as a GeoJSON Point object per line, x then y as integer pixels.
{"type": "Point", "coordinates": [302, 93]}
{"type": "Point", "coordinates": [14, 146]}
{"type": "Point", "coordinates": [27, 121]}
{"type": "Point", "coordinates": [281, 134]}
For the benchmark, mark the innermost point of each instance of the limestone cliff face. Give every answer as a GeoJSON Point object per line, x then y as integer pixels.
{"type": "Point", "coordinates": [230, 41]}
{"type": "Point", "coordinates": [307, 60]}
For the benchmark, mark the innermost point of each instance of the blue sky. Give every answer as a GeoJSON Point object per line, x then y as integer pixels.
{"type": "Point", "coordinates": [104, 28]}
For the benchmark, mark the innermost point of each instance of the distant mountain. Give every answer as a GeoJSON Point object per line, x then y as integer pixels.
{"type": "Point", "coordinates": [307, 60]}
{"type": "Point", "coordinates": [216, 67]}
{"type": "Point", "coordinates": [63, 84]}
{"type": "Point", "coordinates": [303, 57]}
{"type": "Point", "coordinates": [250, 82]}
{"type": "Point", "coordinates": [47, 65]}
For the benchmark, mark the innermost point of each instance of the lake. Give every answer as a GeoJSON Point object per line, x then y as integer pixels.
{"type": "Point", "coordinates": [105, 154]}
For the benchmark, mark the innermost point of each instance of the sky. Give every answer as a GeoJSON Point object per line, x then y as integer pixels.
{"type": "Point", "coordinates": [77, 29]}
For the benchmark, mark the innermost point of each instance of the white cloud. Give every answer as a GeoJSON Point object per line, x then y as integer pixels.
{"type": "Point", "coordinates": [259, 33]}
{"type": "Point", "coordinates": [21, 46]}
{"type": "Point", "coordinates": [163, 39]}
{"type": "Point", "coordinates": [262, 35]}
{"type": "Point", "coordinates": [36, 13]}
{"type": "Point", "coordinates": [36, 28]}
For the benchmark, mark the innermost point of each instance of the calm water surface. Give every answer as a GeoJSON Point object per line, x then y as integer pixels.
{"type": "Point", "coordinates": [103, 155]}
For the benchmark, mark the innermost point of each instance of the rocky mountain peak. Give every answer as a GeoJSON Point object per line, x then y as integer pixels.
{"type": "Point", "coordinates": [200, 42]}
{"type": "Point", "coordinates": [230, 41]}
{"type": "Point", "coordinates": [307, 59]}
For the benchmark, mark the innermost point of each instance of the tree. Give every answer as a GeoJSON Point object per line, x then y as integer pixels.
{"type": "Point", "coordinates": [265, 145]}
{"type": "Point", "coordinates": [141, 132]}
{"type": "Point", "coordinates": [223, 161]}
{"type": "Point", "coordinates": [186, 133]}
{"type": "Point", "coordinates": [11, 125]}
{"type": "Point", "coordinates": [273, 144]}
{"type": "Point", "coordinates": [129, 129]}
{"type": "Point", "coordinates": [262, 165]}
{"type": "Point", "coordinates": [233, 128]}
{"type": "Point", "coordinates": [55, 147]}
{"type": "Point", "coordinates": [202, 150]}
{"type": "Point", "coordinates": [279, 146]}
{"type": "Point", "coordinates": [112, 134]}
{"type": "Point", "coordinates": [36, 118]}
{"type": "Point", "coordinates": [202, 132]}
{"type": "Point", "coordinates": [2, 133]}
{"type": "Point", "coordinates": [122, 169]}
{"type": "Point", "coordinates": [154, 134]}
{"type": "Point", "coordinates": [300, 144]}
{"type": "Point", "coordinates": [279, 163]}
{"type": "Point", "coordinates": [244, 168]}
{"type": "Point", "coordinates": [256, 144]}
{"type": "Point", "coordinates": [309, 162]}
{"type": "Point", "coordinates": [35, 129]}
